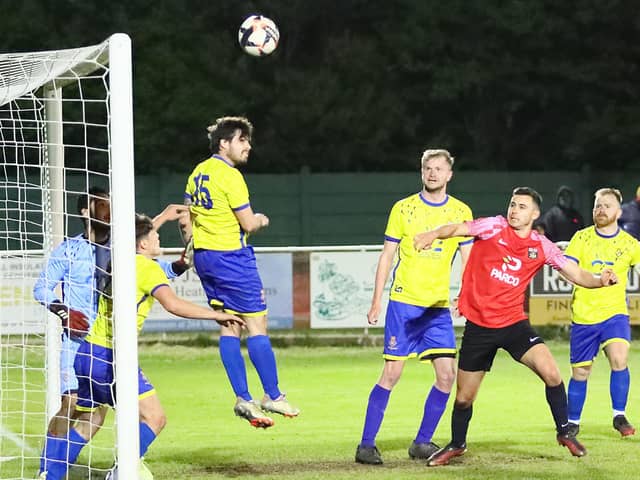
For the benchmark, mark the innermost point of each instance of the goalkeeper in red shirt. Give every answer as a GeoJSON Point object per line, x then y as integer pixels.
{"type": "Point", "coordinates": [506, 254]}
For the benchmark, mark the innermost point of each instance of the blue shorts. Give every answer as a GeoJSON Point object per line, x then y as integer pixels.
{"type": "Point", "coordinates": [96, 383]}
{"type": "Point", "coordinates": [413, 331]}
{"type": "Point", "coordinates": [231, 281]}
{"type": "Point", "coordinates": [68, 379]}
{"type": "Point", "coordinates": [585, 340]}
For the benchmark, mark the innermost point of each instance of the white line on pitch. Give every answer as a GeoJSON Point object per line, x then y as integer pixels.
{"type": "Point", "coordinates": [16, 440]}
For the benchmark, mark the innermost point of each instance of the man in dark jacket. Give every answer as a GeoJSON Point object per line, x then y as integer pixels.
{"type": "Point", "coordinates": [562, 220]}
{"type": "Point", "coordinates": [630, 218]}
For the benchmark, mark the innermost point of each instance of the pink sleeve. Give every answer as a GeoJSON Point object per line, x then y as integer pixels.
{"type": "Point", "coordinates": [552, 254]}
{"type": "Point", "coordinates": [484, 228]}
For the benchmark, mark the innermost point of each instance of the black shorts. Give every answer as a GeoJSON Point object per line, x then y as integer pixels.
{"type": "Point", "coordinates": [480, 344]}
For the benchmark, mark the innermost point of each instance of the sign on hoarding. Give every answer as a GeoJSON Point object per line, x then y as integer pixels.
{"type": "Point", "coordinates": [550, 298]}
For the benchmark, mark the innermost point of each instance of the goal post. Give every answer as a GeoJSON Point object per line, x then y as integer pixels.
{"type": "Point", "coordinates": [123, 257]}
{"type": "Point", "coordinates": [66, 124]}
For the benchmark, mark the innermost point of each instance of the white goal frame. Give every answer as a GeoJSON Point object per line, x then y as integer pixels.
{"type": "Point", "coordinates": [42, 71]}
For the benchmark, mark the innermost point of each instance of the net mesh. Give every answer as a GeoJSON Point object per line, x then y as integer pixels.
{"type": "Point", "coordinates": [54, 146]}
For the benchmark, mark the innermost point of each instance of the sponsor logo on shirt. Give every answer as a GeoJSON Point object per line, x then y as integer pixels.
{"type": "Point", "coordinates": [509, 264]}
{"type": "Point", "coordinates": [598, 265]}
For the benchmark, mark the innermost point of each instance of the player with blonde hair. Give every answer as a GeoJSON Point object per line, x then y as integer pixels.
{"type": "Point", "coordinates": [418, 322]}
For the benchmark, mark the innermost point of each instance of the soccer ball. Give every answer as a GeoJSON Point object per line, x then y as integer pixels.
{"type": "Point", "coordinates": [258, 35]}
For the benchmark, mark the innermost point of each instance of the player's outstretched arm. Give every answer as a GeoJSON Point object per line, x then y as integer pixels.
{"type": "Point", "coordinates": [423, 241]}
{"type": "Point", "coordinates": [382, 273]}
{"type": "Point", "coordinates": [171, 212]}
{"type": "Point", "coordinates": [183, 308]}
{"type": "Point", "coordinates": [578, 276]}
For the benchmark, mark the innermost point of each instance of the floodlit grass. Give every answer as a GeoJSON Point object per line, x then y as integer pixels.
{"type": "Point", "coordinates": [511, 434]}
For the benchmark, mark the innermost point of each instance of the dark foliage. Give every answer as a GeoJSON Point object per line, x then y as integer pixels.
{"type": "Point", "coordinates": [357, 85]}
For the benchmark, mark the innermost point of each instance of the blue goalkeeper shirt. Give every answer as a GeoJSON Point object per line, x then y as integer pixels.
{"type": "Point", "coordinates": [73, 263]}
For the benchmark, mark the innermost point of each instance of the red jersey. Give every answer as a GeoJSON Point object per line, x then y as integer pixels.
{"type": "Point", "coordinates": [500, 267]}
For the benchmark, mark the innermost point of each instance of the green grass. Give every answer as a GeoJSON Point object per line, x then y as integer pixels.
{"type": "Point", "coordinates": [511, 434]}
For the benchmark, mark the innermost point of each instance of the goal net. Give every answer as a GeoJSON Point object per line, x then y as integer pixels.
{"type": "Point", "coordinates": [65, 126]}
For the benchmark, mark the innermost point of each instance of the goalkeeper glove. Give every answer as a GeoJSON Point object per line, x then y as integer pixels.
{"type": "Point", "coordinates": [75, 323]}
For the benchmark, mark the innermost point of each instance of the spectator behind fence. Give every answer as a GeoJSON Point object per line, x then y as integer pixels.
{"type": "Point", "coordinates": [562, 220]}
{"type": "Point", "coordinates": [629, 221]}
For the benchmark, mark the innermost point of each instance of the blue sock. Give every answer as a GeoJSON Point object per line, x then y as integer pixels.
{"type": "Point", "coordinates": [434, 407]}
{"type": "Point", "coordinates": [576, 395]}
{"type": "Point", "coordinates": [261, 354]}
{"type": "Point", "coordinates": [234, 365]}
{"type": "Point", "coordinates": [76, 443]}
{"type": "Point", "coordinates": [52, 451]}
{"type": "Point", "coordinates": [619, 388]}
{"type": "Point", "coordinates": [146, 437]}
{"type": "Point", "coordinates": [60, 453]}
{"type": "Point", "coordinates": [378, 400]}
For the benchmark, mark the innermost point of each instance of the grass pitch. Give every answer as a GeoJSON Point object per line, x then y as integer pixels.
{"type": "Point", "coordinates": [511, 434]}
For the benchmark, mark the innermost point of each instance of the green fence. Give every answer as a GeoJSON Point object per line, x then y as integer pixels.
{"type": "Point", "coordinates": [351, 208]}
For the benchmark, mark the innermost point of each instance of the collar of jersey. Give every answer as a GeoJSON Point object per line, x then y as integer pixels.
{"type": "Point", "coordinates": [606, 236]}
{"type": "Point", "coordinates": [218, 157]}
{"type": "Point", "coordinates": [446, 198]}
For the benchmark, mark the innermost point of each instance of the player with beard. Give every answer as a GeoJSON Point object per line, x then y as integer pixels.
{"type": "Point", "coordinates": [221, 220]}
{"type": "Point", "coordinates": [75, 266]}
{"type": "Point", "coordinates": [506, 254]}
{"type": "Point", "coordinates": [601, 318]}
{"type": "Point", "coordinates": [418, 322]}
{"type": "Point", "coordinates": [95, 362]}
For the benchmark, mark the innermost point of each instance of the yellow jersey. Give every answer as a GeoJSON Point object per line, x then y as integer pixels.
{"type": "Point", "coordinates": [149, 276]}
{"type": "Point", "coordinates": [593, 252]}
{"type": "Point", "coordinates": [216, 190]}
{"type": "Point", "coordinates": [423, 278]}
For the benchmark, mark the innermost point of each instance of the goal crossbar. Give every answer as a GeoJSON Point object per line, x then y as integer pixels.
{"type": "Point", "coordinates": [21, 73]}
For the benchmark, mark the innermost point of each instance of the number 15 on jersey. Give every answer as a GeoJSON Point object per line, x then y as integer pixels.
{"type": "Point", "coordinates": [201, 196]}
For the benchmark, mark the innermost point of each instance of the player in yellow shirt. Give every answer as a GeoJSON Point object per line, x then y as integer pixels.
{"type": "Point", "coordinates": [418, 321]}
{"type": "Point", "coordinates": [600, 317]}
{"type": "Point", "coordinates": [94, 360]}
{"type": "Point", "coordinates": [221, 219]}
